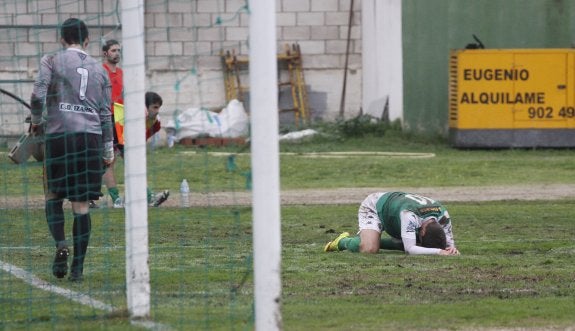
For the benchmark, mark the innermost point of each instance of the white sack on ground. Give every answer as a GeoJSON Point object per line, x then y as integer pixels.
{"type": "Point", "coordinates": [298, 135]}
{"type": "Point", "coordinates": [231, 122]}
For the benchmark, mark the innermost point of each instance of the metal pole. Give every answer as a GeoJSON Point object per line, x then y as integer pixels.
{"type": "Point", "coordinates": [343, 89]}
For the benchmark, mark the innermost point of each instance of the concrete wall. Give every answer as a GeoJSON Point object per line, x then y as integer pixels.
{"type": "Point", "coordinates": [183, 42]}
{"type": "Point", "coordinates": [382, 59]}
{"type": "Point", "coordinates": [185, 37]}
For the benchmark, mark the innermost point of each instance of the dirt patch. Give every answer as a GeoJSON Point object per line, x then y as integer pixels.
{"type": "Point", "coordinates": [351, 195]}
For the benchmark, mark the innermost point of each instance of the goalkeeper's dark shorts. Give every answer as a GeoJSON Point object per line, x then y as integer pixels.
{"type": "Point", "coordinates": [73, 166]}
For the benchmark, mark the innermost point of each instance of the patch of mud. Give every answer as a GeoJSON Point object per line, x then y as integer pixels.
{"type": "Point", "coordinates": [350, 195]}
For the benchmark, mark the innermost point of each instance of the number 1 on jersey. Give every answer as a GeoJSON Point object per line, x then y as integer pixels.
{"type": "Point", "coordinates": [83, 82]}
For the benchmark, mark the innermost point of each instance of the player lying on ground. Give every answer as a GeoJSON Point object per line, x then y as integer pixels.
{"type": "Point", "coordinates": [407, 218]}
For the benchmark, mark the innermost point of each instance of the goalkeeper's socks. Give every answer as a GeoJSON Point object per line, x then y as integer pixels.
{"type": "Point", "coordinates": [55, 218]}
{"type": "Point", "coordinates": [349, 243]}
{"type": "Point", "coordinates": [114, 193]}
{"type": "Point", "coordinates": [81, 230]}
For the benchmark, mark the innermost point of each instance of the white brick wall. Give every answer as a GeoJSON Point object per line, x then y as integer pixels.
{"type": "Point", "coordinates": [286, 19]}
{"type": "Point", "coordinates": [7, 19]}
{"type": "Point", "coordinates": [156, 34]}
{"type": "Point", "coordinates": [335, 46]}
{"type": "Point", "coordinates": [197, 20]}
{"type": "Point", "coordinates": [327, 33]}
{"type": "Point", "coordinates": [166, 48]}
{"type": "Point", "coordinates": [210, 34]}
{"type": "Point", "coordinates": [181, 34]}
{"type": "Point", "coordinates": [181, 6]}
{"type": "Point", "coordinates": [296, 33]}
{"type": "Point", "coordinates": [232, 6]}
{"type": "Point", "coordinates": [26, 49]}
{"type": "Point", "coordinates": [168, 20]}
{"type": "Point", "coordinates": [295, 5]}
{"type": "Point", "coordinates": [26, 19]}
{"type": "Point", "coordinates": [45, 6]}
{"type": "Point", "coordinates": [317, 19]}
{"type": "Point", "coordinates": [324, 5]}
{"type": "Point", "coordinates": [210, 6]}
{"type": "Point", "coordinates": [337, 18]}
{"type": "Point", "coordinates": [7, 50]}
{"type": "Point", "coordinates": [185, 38]}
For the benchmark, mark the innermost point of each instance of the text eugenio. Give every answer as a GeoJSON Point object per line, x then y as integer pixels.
{"type": "Point", "coordinates": [511, 98]}
{"type": "Point", "coordinates": [499, 97]}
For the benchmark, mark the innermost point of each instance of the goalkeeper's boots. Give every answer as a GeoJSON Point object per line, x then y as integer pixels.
{"type": "Point", "coordinates": [160, 198]}
{"type": "Point", "coordinates": [76, 271]}
{"type": "Point", "coordinates": [75, 276]}
{"type": "Point", "coordinates": [60, 265]}
{"type": "Point", "coordinates": [332, 245]}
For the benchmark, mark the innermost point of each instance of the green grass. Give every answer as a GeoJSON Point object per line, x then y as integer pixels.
{"type": "Point", "coordinates": [516, 268]}
{"type": "Point", "coordinates": [207, 172]}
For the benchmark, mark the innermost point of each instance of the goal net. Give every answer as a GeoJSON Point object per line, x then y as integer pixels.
{"type": "Point", "coordinates": [199, 248]}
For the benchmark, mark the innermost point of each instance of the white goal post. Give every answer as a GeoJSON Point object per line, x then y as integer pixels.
{"type": "Point", "coordinates": [265, 165]}
{"type": "Point", "coordinates": [135, 172]}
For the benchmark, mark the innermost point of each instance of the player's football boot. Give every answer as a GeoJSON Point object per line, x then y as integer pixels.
{"type": "Point", "coordinates": [76, 272]}
{"type": "Point", "coordinates": [60, 265]}
{"type": "Point", "coordinates": [160, 198]}
{"type": "Point", "coordinates": [75, 277]}
{"type": "Point", "coordinates": [119, 203]}
{"type": "Point", "coordinates": [332, 245]}
{"type": "Point", "coordinates": [93, 205]}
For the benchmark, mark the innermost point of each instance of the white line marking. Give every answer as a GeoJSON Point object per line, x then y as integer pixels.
{"type": "Point", "coordinates": [72, 295]}
{"type": "Point", "coordinates": [43, 285]}
{"type": "Point", "coordinates": [328, 154]}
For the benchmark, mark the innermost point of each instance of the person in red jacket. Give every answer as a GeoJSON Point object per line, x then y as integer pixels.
{"type": "Point", "coordinates": [112, 51]}
{"type": "Point", "coordinates": [112, 54]}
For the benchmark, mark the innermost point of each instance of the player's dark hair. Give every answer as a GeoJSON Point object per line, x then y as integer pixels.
{"type": "Point", "coordinates": [153, 98]}
{"type": "Point", "coordinates": [74, 31]}
{"type": "Point", "coordinates": [434, 236]}
{"type": "Point", "coordinates": [109, 43]}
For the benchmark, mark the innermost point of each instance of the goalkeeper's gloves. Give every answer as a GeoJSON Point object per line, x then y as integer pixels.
{"type": "Point", "coordinates": [108, 152]}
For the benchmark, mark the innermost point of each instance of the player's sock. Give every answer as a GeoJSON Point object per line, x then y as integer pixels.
{"type": "Point", "coordinates": [81, 230]}
{"type": "Point", "coordinates": [114, 193]}
{"type": "Point", "coordinates": [349, 243]}
{"type": "Point", "coordinates": [391, 243]}
{"type": "Point", "coordinates": [55, 218]}
{"type": "Point", "coordinates": [150, 194]}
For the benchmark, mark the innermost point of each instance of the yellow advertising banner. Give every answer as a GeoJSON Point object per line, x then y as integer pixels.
{"type": "Point", "coordinates": [512, 89]}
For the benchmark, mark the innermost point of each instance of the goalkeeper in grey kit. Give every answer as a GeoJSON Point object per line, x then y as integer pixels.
{"type": "Point", "coordinates": [416, 224]}
{"type": "Point", "coordinates": [73, 91]}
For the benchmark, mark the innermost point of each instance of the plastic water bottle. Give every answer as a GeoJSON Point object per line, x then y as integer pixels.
{"type": "Point", "coordinates": [171, 140]}
{"type": "Point", "coordinates": [185, 194]}
{"type": "Point", "coordinates": [171, 137]}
